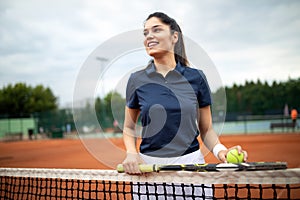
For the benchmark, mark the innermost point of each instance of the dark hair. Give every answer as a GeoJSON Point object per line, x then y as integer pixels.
{"type": "Point", "coordinates": [179, 49]}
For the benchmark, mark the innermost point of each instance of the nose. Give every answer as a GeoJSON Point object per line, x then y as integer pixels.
{"type": "Point", "coordinates": [149, 35]}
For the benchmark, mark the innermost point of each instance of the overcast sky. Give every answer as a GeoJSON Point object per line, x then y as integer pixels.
{"type": "Point", "coordinates": [47, 42]}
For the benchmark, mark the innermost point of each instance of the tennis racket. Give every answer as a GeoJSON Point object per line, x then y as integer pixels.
{"type": "Point", "coordinates": [247, 166]}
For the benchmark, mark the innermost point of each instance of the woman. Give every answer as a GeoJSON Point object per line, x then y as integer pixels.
{"type": "Point", "coordinates": [173, 102]}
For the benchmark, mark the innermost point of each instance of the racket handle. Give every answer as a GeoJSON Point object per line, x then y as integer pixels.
{"type": "Point", "coordinates": [142, 167]}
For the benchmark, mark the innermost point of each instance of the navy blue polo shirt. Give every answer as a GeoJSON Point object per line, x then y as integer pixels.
{"type": "Point", "coordinates": [168, 108]}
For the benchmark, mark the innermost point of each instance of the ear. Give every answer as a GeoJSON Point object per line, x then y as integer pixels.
{"type": "Point", "coordinates": [175, 37]}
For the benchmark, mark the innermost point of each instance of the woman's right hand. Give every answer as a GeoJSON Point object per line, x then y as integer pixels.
{"type": "Point", "coordinates": [131, 163]}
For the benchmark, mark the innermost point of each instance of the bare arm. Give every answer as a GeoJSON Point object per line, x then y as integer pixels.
{"type": "Point", "coordinates": [129, 136]}
{"type": "Point", "coordinates": [209, 136]}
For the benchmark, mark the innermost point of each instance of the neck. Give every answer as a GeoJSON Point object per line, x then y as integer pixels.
{"type": "Point", "coordinates": [165, 64]}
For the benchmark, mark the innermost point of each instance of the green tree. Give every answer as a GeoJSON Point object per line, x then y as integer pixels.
{"type": "Point", "coordinates": [101, 110]}
{"type": "Point", "coordinates": [110, 108]}
{"type": "Point", "coordinates": [260, 98]}
{"type": "Point", "coordinates": [21, 99]}
{"type": "Point", "coordinates": [115, 105]}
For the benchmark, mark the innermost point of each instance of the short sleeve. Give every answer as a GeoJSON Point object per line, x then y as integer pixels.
{"type": "Point", "coordinates": [203, 93]}
{"type": "Point", "coordinates": [131, 95]}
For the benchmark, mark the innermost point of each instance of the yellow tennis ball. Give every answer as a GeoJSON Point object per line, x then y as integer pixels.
{"type": "Point", "coordinates": [233, 156]}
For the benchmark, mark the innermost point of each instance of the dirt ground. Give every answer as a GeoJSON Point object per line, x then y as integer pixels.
{"type": "Point", "coordinates": [106, 153]}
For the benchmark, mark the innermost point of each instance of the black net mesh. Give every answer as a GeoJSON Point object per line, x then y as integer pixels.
{"type": "Point", "coordinates": [54, 188]}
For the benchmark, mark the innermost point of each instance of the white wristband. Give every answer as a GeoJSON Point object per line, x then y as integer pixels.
{"type": "Point", "coordinates": [217, 149]}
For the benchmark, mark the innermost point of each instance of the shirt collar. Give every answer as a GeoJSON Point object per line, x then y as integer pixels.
{"type": "Point", "coordinates": [150, 69]}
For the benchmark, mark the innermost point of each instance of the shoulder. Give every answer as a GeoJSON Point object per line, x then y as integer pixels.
{"type": "Point", "coordinates": [193, 70]}
{"type": "Point", "coordinates": [194, 74]}
{"type": "Point", "coordinates": [138, 77]}
{"type": "Point", "coordinates": [140, 74]}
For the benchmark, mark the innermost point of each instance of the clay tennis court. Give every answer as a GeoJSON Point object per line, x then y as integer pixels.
{"type": "Point", "coordinates": [72, 153]}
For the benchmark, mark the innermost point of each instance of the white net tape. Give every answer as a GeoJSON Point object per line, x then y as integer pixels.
{"type": "Point", "coordinates": [288, 176]}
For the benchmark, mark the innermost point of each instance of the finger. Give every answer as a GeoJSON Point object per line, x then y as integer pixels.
{"type": "Point", "coordinates": [245, 155]}
{"type": "Point", "coordinates": [223, 159]}
{"type": "Point", "coordinates": [134, 169]}
{"type": "Point", "coordinates": [222, 156]}
{"type": "Point", "coordinates": [239, 149]}
{"type": "Point", "coordinates": [129, 168]}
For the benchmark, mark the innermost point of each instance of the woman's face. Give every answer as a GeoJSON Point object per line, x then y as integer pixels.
{"type": "Point", "coordinates": [158, 39]}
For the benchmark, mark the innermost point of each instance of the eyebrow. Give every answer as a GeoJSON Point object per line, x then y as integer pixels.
{"type": "Point", "coordinates": [154, 26]}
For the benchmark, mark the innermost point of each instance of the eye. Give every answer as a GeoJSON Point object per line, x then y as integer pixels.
{"type": "Point", "coordinates": [156, 30]}
{"type": "Point", "coordinates": [145, 33]}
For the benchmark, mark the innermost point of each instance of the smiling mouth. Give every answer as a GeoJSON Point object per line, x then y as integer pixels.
{"type": "Point", "coordinates": [152, 44]}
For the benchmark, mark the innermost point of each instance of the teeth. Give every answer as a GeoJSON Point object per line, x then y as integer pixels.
{"type": "Point", "coordinates": [151, 44]}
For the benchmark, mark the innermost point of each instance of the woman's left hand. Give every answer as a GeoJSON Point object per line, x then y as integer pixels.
{"type": "Point", "coordinates": [222, 154]}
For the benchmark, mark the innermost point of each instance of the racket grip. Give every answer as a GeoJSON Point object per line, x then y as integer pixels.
{"type": "Point", "coordinates": [142, 167]}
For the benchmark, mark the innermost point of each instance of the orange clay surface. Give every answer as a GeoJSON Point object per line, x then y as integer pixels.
{"type": "Point", "coordinates": [72, 153]}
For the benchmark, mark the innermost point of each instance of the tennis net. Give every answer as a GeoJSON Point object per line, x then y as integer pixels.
{"type": "Point", "coordinates": [31, 183]}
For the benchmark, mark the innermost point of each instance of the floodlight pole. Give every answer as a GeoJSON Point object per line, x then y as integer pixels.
{"type": "Point", "coordinates": [102, 68]}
